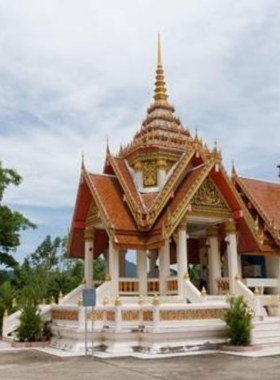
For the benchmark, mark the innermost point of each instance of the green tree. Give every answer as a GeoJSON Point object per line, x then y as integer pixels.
{"type": "Point", "coordinates": [239, 321]}
{"type": "Point", "coordinates": [11, 222]}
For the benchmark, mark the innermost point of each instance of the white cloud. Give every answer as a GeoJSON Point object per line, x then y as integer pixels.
{"type": "Point", "coordinates": [73, 73]}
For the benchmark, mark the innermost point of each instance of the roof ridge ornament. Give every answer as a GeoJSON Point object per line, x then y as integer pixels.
{"type": "Point", "coordinates": [160, 89]}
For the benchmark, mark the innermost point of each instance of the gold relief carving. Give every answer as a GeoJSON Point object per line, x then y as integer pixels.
{"type": "Point", "coordinates": [178, 315]}
{"type": "Point", "coordinates": [147, 315]}
{"type": "Point", "coordinates": [183, 223]}
{"type": "Point", "coordinates": [209, 196]}
{"type": "Point", "coordinates": [230, 226]}
{"type": "Point", "coordinates": [65, 315]}
{"type": "Point", "coordinates": [161, 164]}
{"type": "Point", "coordinates": [167, 225]}
{"type": "Point", "coordinates": [138, 165]}
{"type": "Point", "coordinates": [130, 315]}
{"type": "Point", "coordinates": [110, 316]}
{"type": "Point", "coordinates": [149, 173]}
{"type": "Point", "coordinates": [96, 315]}
{"type": "Point", "coordinates": [89, 234]}
{"type": "Point", "coordinates": [93, 215]}
{"type": "Point", "coordinates": [212, 231]}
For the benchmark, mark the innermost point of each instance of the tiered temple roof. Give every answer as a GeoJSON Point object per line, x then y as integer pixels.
{"type": "Point", "coordinates": [141, 218]}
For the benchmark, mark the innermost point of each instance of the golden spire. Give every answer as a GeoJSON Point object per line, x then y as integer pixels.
{"type": "Point", "coordinates": [160, 90]}
{"type": "Point", "coordinates": [233, 171]}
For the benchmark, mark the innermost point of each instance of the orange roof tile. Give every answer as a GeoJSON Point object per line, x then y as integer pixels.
{"type": "Point", "coordinates": [267, 197]}
{"type": "Point", "coordinates": [110, 194]}
{"type": "Point", "coordinates": [122, 171]}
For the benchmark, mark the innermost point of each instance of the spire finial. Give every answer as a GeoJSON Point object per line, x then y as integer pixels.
{"type": "Point", "coordinates": [83, 160]}
{"type": "Point", "coordinates": [233, 170]}
{"type": "Point", "coordinates": [108, 153]}
{"type": "Point", "coordinates": [159, 62]}
{"type": "Point", "coordinates": [160, 90]}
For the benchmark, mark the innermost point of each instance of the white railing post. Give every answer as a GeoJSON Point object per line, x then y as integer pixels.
{"type": "Point", "coordinates": [118, 314]}
{"type": "Point", "coordinates": [156, 319]}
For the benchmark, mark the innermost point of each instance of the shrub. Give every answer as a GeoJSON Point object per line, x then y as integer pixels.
{"type": "Point", "coordinates": [31, 325]}
{"type": "Point", "coordinates": [239, 321]}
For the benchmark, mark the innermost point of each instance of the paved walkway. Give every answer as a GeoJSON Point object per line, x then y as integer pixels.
{"type": "Point", "coordinates": [34, 365]}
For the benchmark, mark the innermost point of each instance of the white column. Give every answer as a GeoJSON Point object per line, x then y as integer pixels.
{"type": "Point", "coordinates": [142, 272]}
{"type": "Point", "coordinates": [161, 172]}
{"type": "Point", "coordinates": [138, 167]}
{"type": "Point", "coordinates": [231, 254]}
{"type": "Point", "coordinates": [213, 259]}
{"type": "Point", "coordinates": [114, 269]}
{"type": "Point", "coordinates": [88, 261]}
{"type": "Point", "coordinates": [182, 252]}
{"type": "Point", "coordinates": [164, 266]}
{"type": "Point", "coordinates": [273, 271]}
{"type": "Point", "coordinates": [122, 255]}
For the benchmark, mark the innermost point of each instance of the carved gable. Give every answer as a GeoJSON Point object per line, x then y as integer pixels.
{"type": "Point", "coordinates": [208, 196]}
{"type": "Point", "coordinates": [93, 217]}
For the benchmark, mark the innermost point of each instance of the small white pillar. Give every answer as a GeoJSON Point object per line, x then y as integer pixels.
{"type": "Point", "coordinates": [142, 272]}
{"type": "Point", "coordinates": [88, 261]}
{"type": "Point", "coordinates": [164, 267]}
{"type": "Point", "coordinates": [138, 167]}
{"type": "Point", "coordinates": [114, 269]}
{"type": "Point", "coordinates": [213, 259]}
{"type": "Point", "coordinates": [161, 172]}
{"type": "Point", "coordinates": [231, 254]}
{"type": "Point", "coordinates": [182, 252]}
{"type": "Point", "coordinates": [273, 271]}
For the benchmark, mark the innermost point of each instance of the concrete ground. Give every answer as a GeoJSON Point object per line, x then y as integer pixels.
{"type": "Point", "coordinates": [31, 365]}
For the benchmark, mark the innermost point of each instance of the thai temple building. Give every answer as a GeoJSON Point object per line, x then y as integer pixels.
{"type": "Point", "coordinates": [198, 234]}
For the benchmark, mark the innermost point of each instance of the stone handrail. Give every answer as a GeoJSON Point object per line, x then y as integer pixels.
{"type": "Point", "coordinates": [72, 298]}
{"type": "Point", "coordinates": [192, 293]}
{"type": "Point", "coordinates": [242, 290]}
{"type": "Point", "coordinates": [103, 291]}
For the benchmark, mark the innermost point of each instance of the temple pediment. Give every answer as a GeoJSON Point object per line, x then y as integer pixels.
{"type": "Point", "coordinates": [208, 197]}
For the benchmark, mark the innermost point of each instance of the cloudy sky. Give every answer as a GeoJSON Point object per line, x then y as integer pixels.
{"type": "Point", "coordinates": [73, 73]}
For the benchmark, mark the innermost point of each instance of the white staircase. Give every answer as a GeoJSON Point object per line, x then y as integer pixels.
{"type": "Point", "coordinates": [266, 331]}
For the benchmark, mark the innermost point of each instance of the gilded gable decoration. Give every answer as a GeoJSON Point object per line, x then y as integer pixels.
{"type": "Point", "coordinates": [93, 215]}
{"type": "Point", "coordinates": [209, 196]}
{"type": "Point", "coordinates": [149, 173]}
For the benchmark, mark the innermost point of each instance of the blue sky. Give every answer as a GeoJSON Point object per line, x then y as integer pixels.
{"type": "Point", "coordinates": [73, 73]}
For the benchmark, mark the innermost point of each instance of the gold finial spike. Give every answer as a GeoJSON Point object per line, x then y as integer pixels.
{"type": "Point", "coordinates": [156, 300]}
{"type": "Point", "coordinates": [118, 301]}
{"type": "Point", "coordinates": [159, 61]}
{"type": "Point", "coordinates": [105, 301]}
{"type": "Point", "coordinates": [140, 300]}
{"type": "Point", "coordinates": [233, 170]}
{"type": "Point", "coordinates": [256, 292]}
{"type": "Point", "coordinates": [160, 89]}
{"type": "Point", "coordinates": [83, 160]}
{"type": "Point", "coordinates": [203, 292]}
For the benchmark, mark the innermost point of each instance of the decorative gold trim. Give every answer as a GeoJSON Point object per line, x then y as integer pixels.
{"type": "Point", "coordinates": [179, 315]}
{"type": "Point", "coordinates": [156, 300]}
{"type": "Point", "coordinates": [212, 230]}
{"type": "Point", "coordinates": [230, 226]}
{"type": "Point", "coordinates": [208, 196]}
